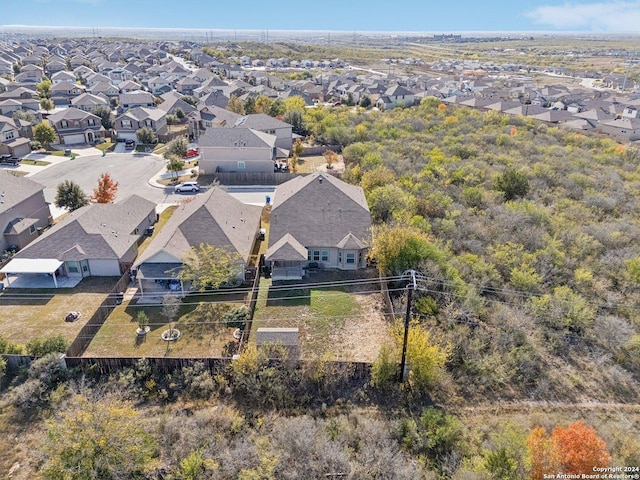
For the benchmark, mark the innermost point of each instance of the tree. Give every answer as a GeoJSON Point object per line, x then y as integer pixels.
{"type": "Point", "coordinates": [191, 100]}
{"type": "Point", "coordinates": [174, 164]}
{"type": "Point", "coordinates": [512, 184]}
{"type": "Point", "coordinates": [178, 147]}
{"type": "Point", "coordinates": [330, 157]}
{"type": "Point", "coordinates": [235, 105]}
{"type": "Point", "coordinates": [180, 114]}
{"type": "Point", "coordinates": [209, 267]}
{"type": "Point", "coordinates": [574, 450]}
{"type": "Point", "coordinates": [106, 115]}
{"type": "Point", "coordinates": [46, 104]}
{"type": "Point", "coordinates": [146, 135]}
{"type": "Point", "coordinates": [23, 115]}
{"type": "Point", "coordinates": [263, 104]}
{"type": "Point", "coordinates": [250, 105]}
{"type": "Point", "coordinates": [426, 359]}
{"type": "Point", "coordinates": [44, 134]}
{"type": "Point", "coordinates": [276, 108]}
{"type": "Point", "coordinates": [97, 439]}
{"type": "Point", "coordinates": [39, 347]}
{"type": "Point", "coordinates": [69, 195]}
{"type": "Point", "coordinates": [44, 88]}
{"type": "Point", "coordinates": [106, 190]}
{"type": "Point", "coordinates": [365, 102]}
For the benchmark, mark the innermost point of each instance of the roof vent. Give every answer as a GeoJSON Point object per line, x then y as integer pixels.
{"type": "Point", "coordinates": [320, 179]}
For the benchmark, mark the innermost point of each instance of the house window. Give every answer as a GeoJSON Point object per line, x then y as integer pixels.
{"type": "Point", "coordinates": [76, 124]}
{"type": "Point", "coordinates": [148, 123]}
{"type": "Point", "coordinates": [8, 135]}
{"type": "Point", "coordinates": [32, 229]}
{"type": "Point", "coordinates": [91, 122]}
{"type": "Point", "coordinates": [339, 256]}
{"type": "Point", "coordinates": [126, 124]}
{"type": "Point", "coordinates": [64, 124]}
{"type": "Point", "coordinates": [72, 267]}
{"type": "Point", "coordinates": [359, 258]}
{"type": "Point", "coordinates": [242, 165]}
{"type": "Point", "coordinates": [324, 256]}
{"type": "Point", "coordinates": [313, 255]}
{"type": "Point", "coordinates": [351, 258]}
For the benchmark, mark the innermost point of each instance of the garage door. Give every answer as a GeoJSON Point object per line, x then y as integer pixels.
{"type": "Point", "coordinates": [127, 136]}
{"type": "Point", "coordinates": [74, 139]}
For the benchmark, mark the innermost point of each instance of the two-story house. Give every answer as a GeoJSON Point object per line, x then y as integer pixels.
{"type": "Point", "coordinates": [136, 99]}
{"type": "Point", "coordinates": [63, 92]}
{"type": "Point", "coordinates": [75, 126]}
{"type": "Point", "coordinates": [12, 141]}
{"type": "Point", "coordinates": [132, 120]}
{"type": "Point", "coordinates": [237, 150]}
{"type": "Point", "coordinates": [267, 124]}
{"type": "Point", "coordinates": [88, 102]}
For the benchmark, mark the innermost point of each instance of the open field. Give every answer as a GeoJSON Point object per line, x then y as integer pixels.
{"type": "Point", "coordinates": [345, 320]}
{"type": "Point", "coordinates": [34, 313]}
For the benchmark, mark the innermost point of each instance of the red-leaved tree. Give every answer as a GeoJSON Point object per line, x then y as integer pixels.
{"type": "Point", "coordinates": [106, 190]}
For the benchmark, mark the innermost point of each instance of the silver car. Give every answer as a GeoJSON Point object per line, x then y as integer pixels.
{"type": "Point", "coordinates": [187, 187]}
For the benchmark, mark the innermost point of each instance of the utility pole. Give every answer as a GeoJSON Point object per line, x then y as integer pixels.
{"type": "Point", "coordinates": [410, 288]}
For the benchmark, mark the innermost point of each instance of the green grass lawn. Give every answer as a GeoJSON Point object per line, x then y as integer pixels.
{"type": "Point", "coordinates": [38, 163]}
{"type": "Point", "coordinates": [55, 153]}
{"type": "Point", "coordinates": [317, 312]}
{"type": "Point", "coordinates": [30, 313]}
{"type": "Point", "coordinates": [110, 146]}
{"type": "Point", "coordinates": [198, 319]}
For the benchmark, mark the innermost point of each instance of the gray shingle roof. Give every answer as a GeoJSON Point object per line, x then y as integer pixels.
{"type": "Point", "coordinates": [236, 137]}
{"type": "Point", "coordinates": [97, 231]}
{"type": "Point", "coordinates": [214, 218]}
{"type": "Point", "coordinates": [14, 190]}
{"type": "Point", "coordinates": [320, 210]}
{"type": "Point", "coordinates": [260, 121]}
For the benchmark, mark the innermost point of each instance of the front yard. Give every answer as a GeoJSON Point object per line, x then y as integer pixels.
{"type": "Point", "coordinates": [198, 319]}
{"type": "Point", "coordinates": [32, 313]}
{"type": "Point", "coordinates": [342, 319]}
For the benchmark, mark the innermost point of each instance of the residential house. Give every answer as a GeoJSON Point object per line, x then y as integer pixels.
{"type": "Point", "coordinates": [104, 88]}
{"type": "Point", "coordinates": [394, 96]}
{"type": "Point", "coordinates": [321, 219]}
{"type": "Point", "coordinates": [87, 101]}
{"type": "Point", "coordinates": [132, 120]}
{"type": "Point", "coordinates": [63, 92]}
{"type": "Point", "coordinates": [187, 85]}
{"type": "Point", "coordinates": [63, 77]}
{"type": "Point", "coordinates": [100, 239]}
{"type": "Point", "coordinates": [267, 124]}
{"type": "Point", "coordinates": [623, 129]}
{"type": "Point", "coordinates": [159, 85]}
{"type": "Point", "coordinates": [214, 218]}
{"type": "Point", "coordinates": [136, 99]}
{"type": "Point", "coordinates": [237, 150]}
{"type": "Point", "coordinates": [23, 210]}
{"type": "Point", "coordinates": [75, 126]}
{"type": "Point", "coordinates": [12, 139]}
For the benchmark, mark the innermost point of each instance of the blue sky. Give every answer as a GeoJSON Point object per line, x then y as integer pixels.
{"type": "Point", "coordinates": [346, 15]}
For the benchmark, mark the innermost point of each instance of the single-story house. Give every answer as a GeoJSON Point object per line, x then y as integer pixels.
{"type": "Point", "coordinates": [321, 220]}
{"type": "Point", "coordinates": [95, 240]}
{"type": "Point", "coordinates": [213, 218]}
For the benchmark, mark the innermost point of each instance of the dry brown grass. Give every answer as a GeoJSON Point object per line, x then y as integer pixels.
{"type": "Point", "coordinates": [31, 313]}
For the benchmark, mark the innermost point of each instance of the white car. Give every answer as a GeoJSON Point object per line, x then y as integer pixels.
{"type": "Point", "coordinates": [187, 187]}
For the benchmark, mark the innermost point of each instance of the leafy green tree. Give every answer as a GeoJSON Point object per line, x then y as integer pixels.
{"type": "Point", "coordinates": [191, 100]}
{"type": "Point", "coordinates": [46, 104]}
{"type": "Point", "coordinates": [194, 465]}
{"type": "Point", "coordinates": [180, 114]}
{"type": "Point", "coordinates": [276, 108]}
{"type": "Point", "coordinates": [39, 347]}
{"type": "Point", "coordinates": [512, 183]}
{"type": "Point", "coordinates": [426, 359]}
{"type": "Point", "coordinates": [365, 102]}
{"type": "Point", "coordinates": [44, 134]}
{"type": "Point", "coordinates": [9, 348]}
{"type": "Point", "coordinates": [106, 116]}
{"type": "Point", "coordinates": [250, 105]}
{"type": "Point", "coordinates": [146, 136]}
{"type": "Point", "coordinates": [235, 105]}
{"type": "Point", "coordinates": [174, 165]}
{"type": "Point", "coordinates": [44, 88]}
{"type": "Point", "coordinates": [209, 267]}
{"type": "Point", "coordinates": [97, 439]}
{"type": "Point", "coordinates": [400, 248]}
{"type": "Point", "coordinates": [24, 115]}
{"type": "Point", "coordinates": [263, 104]}
{"type": "Point", "coordinates": [69, 195]}
{"type": "Point", "coordinates": [178, 147]}
{"type": "Point", "coordinates": [384, 371]}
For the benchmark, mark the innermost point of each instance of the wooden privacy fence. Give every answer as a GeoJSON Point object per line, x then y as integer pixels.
{"type": "Point", "coordinates": [253, 178]}
{"type": "Point", "coordinates": [255, 289]}
{"type": "Point", "coordinates": [386, 299]}
{"type": "Point", "coordinates": [82, 340]}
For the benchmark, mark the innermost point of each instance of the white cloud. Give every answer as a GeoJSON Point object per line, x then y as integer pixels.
{"type": "Point", "coordinates": [612, 16]}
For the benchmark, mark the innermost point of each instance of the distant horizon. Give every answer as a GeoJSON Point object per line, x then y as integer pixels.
{"type": "Point", "coordinates": [371, 16]}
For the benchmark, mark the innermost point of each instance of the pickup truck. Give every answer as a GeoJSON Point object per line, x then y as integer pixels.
{"type": "Point", "coordinates": [9, 159]}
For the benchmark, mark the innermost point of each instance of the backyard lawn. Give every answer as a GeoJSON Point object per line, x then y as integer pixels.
{"type": "Point", "coordinates": [30, 313]}
{"type": "Point", "coordinates": [198, 320]}
{"type": "Point", "coordinates": [346, 322]}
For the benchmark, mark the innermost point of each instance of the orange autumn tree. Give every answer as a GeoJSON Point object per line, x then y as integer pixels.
{"type": "Point", "coordinates": [572, 450]}
{"type": "Point", "coordinates": [106, 190]}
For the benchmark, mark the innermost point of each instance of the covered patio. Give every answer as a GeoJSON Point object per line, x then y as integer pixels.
{"type": "Point", "coordinates": [157, 279]}
{"type": "Point", "coordinates": [37, 273]}
{"type": "Point", "coordinates": [287, 259]}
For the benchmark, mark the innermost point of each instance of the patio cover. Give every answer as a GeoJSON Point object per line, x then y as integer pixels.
{"type": "Point", "coordinates": [162, 271]}
{"type": "Point", "coordinates": [31, 265]}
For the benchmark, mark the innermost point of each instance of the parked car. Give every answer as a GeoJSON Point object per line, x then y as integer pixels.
{"type": "Point", "coordinates": [129, 144]}
{"type": "Point", "coordinates": [187, 187]}
{"type": "Point", "coordinates": [193, 152]}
